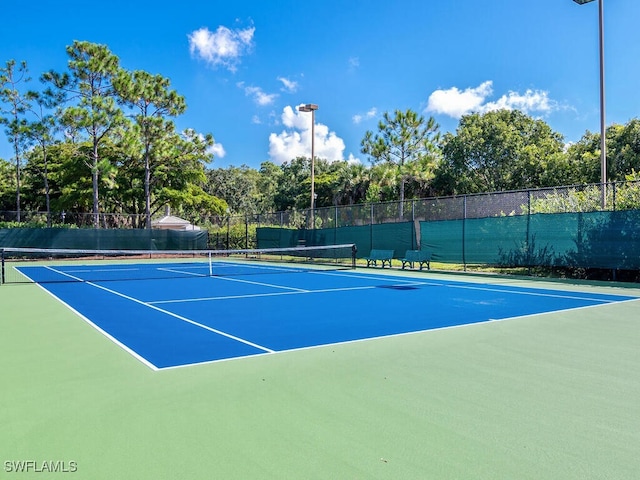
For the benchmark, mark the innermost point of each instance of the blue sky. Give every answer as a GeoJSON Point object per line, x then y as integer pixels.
{"type": "Point", "coordinates": [245, 66]}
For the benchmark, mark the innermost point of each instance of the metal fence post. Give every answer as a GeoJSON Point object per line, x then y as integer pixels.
{"type": "Point", "coordinates": [371, 227]}
{"type": "Point", "coordinates": [464, 222]}
{"type": "Point", "coordinates": [335, 224]}
{"type": "Point", "coordinates": [528, 240]}
{"type": "Point", "coordinates": [614, 195]}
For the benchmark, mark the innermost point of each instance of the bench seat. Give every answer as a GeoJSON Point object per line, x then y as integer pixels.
{"type": "Point", "coordinates": [421, 257]}
{"type": "Point", "coordinates": [382, 256]}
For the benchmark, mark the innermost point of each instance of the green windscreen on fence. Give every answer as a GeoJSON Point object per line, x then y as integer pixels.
{"type": "Point", "coordinates": [589, 240]}
{"type": "Point", "coordinates": [607, 240]}
{"type": "Point", "coordinates": [103, 239]}
{"type": "Point", "coordinates": [495, 240]}
{"type": "Point", "coordinates": [399, 237]}
{"type": "Point", "coordinates": [475, 241]}
{"type": "Point", "coordinates": [444, 240]}
{"type": "Point", "coordinates": [552, 238]}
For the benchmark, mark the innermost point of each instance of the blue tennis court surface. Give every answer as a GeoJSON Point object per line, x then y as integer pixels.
{"type": "Point", "coordinates": [169, 322]}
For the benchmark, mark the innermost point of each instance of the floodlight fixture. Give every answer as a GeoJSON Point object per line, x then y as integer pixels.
{"type": "Point", "coordinates": [309, 107]}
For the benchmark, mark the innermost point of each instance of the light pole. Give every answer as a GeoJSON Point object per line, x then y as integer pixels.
{"type": "Point", "coordinates": [603, 128]}
{"type": "Point", "coordinates": [311, 107]}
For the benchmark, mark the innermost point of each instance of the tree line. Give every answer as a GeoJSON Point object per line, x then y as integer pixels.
{"type": "Point", "coordinates": [100, 138]}
{"type": "Point", "coordinates": [409, 158]}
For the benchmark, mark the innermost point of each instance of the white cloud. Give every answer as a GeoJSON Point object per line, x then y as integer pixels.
{"type": "Point", "coordinates": [289, 86]}
{"type": "Point", "coordinates": [259, 96]}
{"type": "Point", "coordinates": [218, 150]}
{"type": "Point", "coordinates": [367, 116]}
{"type": "Point", "coordinates": [352, 160]}
{"type": "Point", "coordinates": [223, 47]}
{"type": "Point", "coordinates": [455, 103]}
{"type": "Point", "coordinates": [295, 140]}
{"type": "Point", "coordinates": [354, 63]}
{"type": "Point", "coordinates": [530, 101]}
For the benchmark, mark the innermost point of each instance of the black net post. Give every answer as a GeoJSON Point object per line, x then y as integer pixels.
{"type": "Point", "coordinates": [2, 266]}
{"type": "Point", "coordinates": [354, 251]}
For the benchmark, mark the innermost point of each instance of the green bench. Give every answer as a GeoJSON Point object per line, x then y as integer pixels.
{"type": "Point", "coordinates": [383, 256]}
{"type": "Point", "coordinates": [422, 257]}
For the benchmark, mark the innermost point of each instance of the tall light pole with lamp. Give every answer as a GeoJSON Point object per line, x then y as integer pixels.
{"type": "Point", "coordinates": [603, 128]}
{"type": "Point", "coordinates": [311, 107]}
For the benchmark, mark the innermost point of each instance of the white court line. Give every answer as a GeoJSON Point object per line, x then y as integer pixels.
{"type": "Point", "coordinates": [285, 269]}
{"type": "Point", "coordinates": [254, 295]}
{"type": "Point", "coordinates": [527, 290]}
{"type": "Point", "coordinates": [78, 279]}
{"type": "Point", "coordinates": [84, 270]}
{"type": "Point", "coordinates": [535, 294]}
{"type": "Point", "coordinates": [181, 272]}
{"type": "Point", "coordinates": [358, 275]}
{"type": "Point", "coordinates": [262, 284]}
{"type": "Point", "coordinates": [401, 283]}
{"type": "Point", "coordinates": [179, 317]}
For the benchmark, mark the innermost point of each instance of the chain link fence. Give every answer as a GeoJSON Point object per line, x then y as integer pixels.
{"type": "Point", "coordinates": [239, 231]}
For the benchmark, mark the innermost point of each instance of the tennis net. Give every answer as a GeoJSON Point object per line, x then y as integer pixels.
{"type": "Point", "coordinates": [35, 265]}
